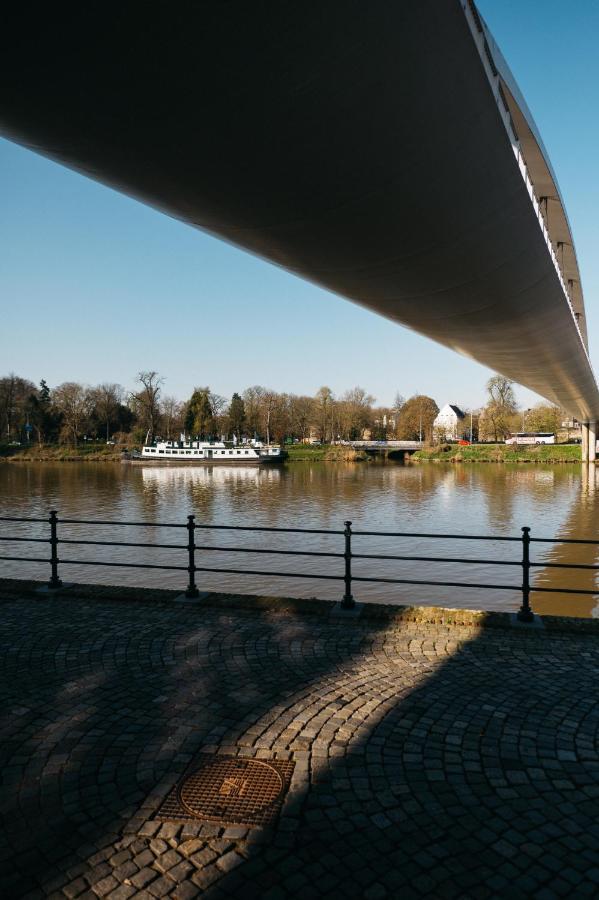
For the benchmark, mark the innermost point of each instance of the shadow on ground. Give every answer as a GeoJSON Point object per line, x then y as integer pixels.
{"type": "Point", "coordinates": [430, 760]}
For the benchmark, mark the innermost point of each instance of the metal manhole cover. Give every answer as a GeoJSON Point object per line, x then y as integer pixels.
{"type": "Point", "coordinates": [231, 790]}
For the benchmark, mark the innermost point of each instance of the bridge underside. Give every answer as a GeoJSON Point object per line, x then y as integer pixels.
{"type": "Point", "coordinates": [356, 144]}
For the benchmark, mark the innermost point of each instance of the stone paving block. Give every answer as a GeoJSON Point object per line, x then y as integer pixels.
{"type": "Point", "coordinates": [167, 860]}
{"type": "Point", "coordinates": [158, 847]}
{"type": "Point", "coordinates": [203, 857]}
{"type": "Point", "coordinates": [103, 887]}
{"type": "Point", "coordinates": [229, 861]}
{"type": "Point", "coordinates": [422, 767]}
{"type": "Point", "coordinates": [123, 892]}
{"type": "Point", "coordinates": [161, 887]}
{"type": "Point", "coordinates": [126, 870]}
{"type": "Point", "coordinates": [203, 878]}
{"type": "Point", "coordinates": [186, 891]}
{"type": "Point", "coordinates": [145, 858]}
{"type": "Point", "coordinates": [181, 871]}
{"type": "Point", "coordinates": [143, 878]}
{"type": "Point", "coordinates": [189, 847]}
{"type": "Point", "coordinates": [75, 888]}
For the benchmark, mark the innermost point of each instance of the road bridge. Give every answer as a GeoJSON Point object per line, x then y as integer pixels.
{"type": "Point", "coordinates": [388, 449]}
{"type": "Point", "coordinates": [382, 150]}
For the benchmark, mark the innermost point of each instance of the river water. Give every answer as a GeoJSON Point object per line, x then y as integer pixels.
{"type": "Point", "coordinates": [478, 499]}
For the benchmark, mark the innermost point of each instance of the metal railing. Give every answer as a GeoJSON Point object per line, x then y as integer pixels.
{"type": "Point", "coordinates": [344, 574]}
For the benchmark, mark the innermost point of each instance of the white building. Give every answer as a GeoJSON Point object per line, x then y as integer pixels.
{"type": "Point", "coordinates": [448, 424]}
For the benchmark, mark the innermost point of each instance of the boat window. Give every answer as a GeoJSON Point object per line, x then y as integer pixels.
{"type": "Point", "coordinates": [246, 452]}
{"type": "Point", "coordinates": [161, 451]}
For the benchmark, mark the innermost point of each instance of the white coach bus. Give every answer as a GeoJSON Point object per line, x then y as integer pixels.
{"type": "Point", "coordinates": [531, 437]}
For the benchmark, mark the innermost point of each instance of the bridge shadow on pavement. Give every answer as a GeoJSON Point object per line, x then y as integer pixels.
{"type": "Point", "coordinates": [431, 760]}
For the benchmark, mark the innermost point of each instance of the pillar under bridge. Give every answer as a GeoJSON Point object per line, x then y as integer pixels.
{"type": "Point", "coordinates": [589, 441]}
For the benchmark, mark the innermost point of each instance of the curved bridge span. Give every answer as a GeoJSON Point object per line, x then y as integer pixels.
{"type": "Point", "coordinates": [381, 150]}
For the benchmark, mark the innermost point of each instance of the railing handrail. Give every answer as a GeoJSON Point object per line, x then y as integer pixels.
{"type": "Point", "coordinates": [333, 531]}
{"type": "Point", "coordinates": [348, 577]}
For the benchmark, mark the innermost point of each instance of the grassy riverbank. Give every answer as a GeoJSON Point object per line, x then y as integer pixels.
{"type": "Point", "coordinates": [109, 453]}
{"type": "Point", "coordinates": [60, 453]}
{"type": "Point", "coordinates": [497, 453]}
{"type": "Point", "coordinates": [500, 453]}
{"type": "Point", "coordinates": [323, 453]}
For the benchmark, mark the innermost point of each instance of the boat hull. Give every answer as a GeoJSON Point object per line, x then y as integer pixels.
{"type": "Point", "coordinates": [174, 461]}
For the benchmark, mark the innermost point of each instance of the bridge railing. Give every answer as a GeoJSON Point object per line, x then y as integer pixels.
{"type": "Point", "coordinates": [341, 570]}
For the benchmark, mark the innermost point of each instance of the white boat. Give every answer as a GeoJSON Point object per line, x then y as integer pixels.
{"type": "Point", "coordinates": [211, 453]}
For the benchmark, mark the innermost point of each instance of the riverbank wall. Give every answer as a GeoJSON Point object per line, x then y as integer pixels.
{"type": "Point", "coordinates": [326, 610]}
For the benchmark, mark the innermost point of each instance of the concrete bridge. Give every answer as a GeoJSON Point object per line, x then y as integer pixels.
{"type": "Point", "coordinates": [388, 448]}
{"type": "Point", "coordinates": [382, 150]}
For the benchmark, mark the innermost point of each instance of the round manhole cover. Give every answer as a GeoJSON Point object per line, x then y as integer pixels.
{"type": "Point", "coordinates": [231, 789]}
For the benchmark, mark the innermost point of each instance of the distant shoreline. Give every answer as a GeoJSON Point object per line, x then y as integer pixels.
{"type": "Point", "coordinates": [102, 453]}
{"type": "Point", "coordinates": [449, 453]}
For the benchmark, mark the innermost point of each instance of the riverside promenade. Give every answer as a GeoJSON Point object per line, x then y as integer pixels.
{"type": "Point", "coordinates": [427, 753]}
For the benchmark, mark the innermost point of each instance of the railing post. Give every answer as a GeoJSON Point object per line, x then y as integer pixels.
{"type": "Point", "coordinates": [525, 613]}
{"type": "Point", "coordinates": [55, 581]}
{"type": "Point", "coordinates": [192, 590]}
{"type": "Point", "coordinates": [348, 600]}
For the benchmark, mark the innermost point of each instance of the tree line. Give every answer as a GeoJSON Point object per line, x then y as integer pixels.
{"type": "Point", "coordinates": [72, 412]}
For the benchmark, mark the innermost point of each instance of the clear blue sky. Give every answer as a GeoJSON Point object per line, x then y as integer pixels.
{"type": "Point", "coordinates": [95, 286]}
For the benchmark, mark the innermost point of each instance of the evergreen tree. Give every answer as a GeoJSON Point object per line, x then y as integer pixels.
{"type": "Point", "coordinates": [236, 415]}
{"type": "Point", "coordinates": [44, 393]}
{"type": "Point", "coordinates": [199, 415]}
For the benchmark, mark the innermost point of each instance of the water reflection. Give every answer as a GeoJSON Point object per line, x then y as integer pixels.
{"type": "Point", "coordinates": [474, 499]}
{"type": "Point", "coordinates": [580, 523]}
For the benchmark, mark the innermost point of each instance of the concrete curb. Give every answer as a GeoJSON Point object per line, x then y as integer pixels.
{"type": "Point", "coordinates": [366, 614]}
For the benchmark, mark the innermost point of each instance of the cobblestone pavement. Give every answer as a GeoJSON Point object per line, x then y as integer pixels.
{"type": "Point", "coordinates": [430, 760]}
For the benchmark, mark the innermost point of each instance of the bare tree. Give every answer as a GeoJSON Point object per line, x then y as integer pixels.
{"type": "Point", "coordinates": [416, 418]}
{"type": "Point", "coordinates": [172, 414]}
{"type": "Point", "coordinates": [106, 400]}
{"type": "Point", "coordinates": [14, 393]}
{"type": "Point", "coordinates": [324, 413]}
{"type": "Point", "coordinates": [269, 403]}
{"type": "Point", "coordinates": [398, 402]}
{"type": "Point", "coordinates": [73, 402]}
{"type": "Point", "coordinates": [146, 401]}
{"type": "Point", "coordinates": [501, 405]}
{"type": "Point", "coordinates": [544, 417]}
{"type": "Point", "coordinates": [356, 412]}
{"type": "Point", "coordinates": [252, 400]}
{"type": "Point", "coordinates": [301, 415]}
{"type": "Point", "coordinates": [219, 411]}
